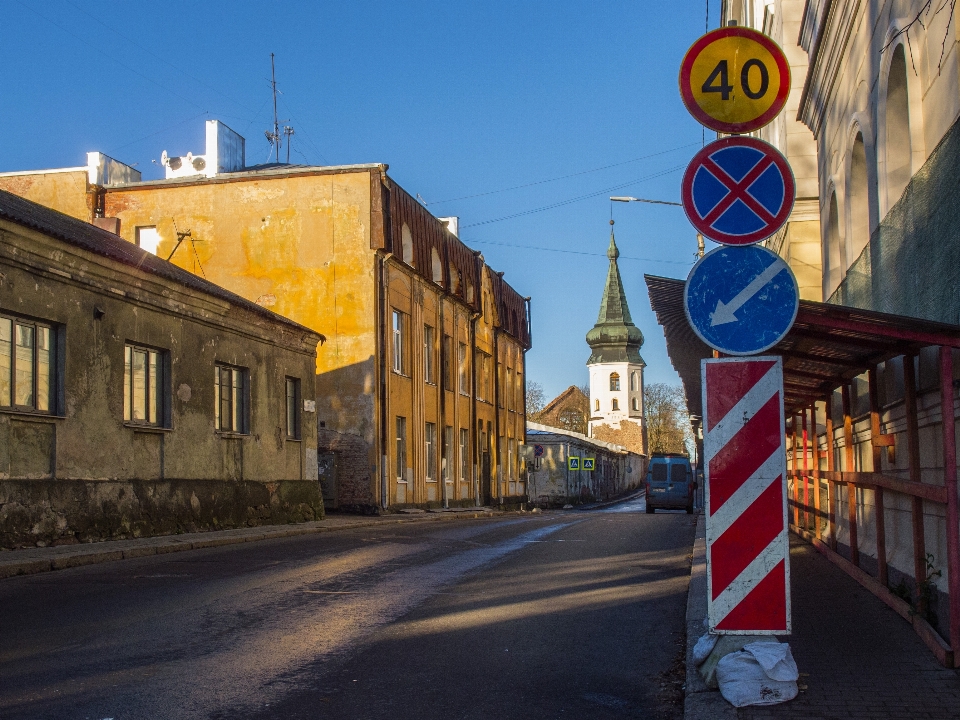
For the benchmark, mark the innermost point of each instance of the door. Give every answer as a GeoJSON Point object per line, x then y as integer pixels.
{"type": "Point", "coordinates": [327, 471]}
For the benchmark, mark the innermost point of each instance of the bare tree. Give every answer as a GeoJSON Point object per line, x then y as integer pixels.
{"type": "Point", "coordinates": [535, 400]}
{"type": "Point", "coordinates": [585, 389]}
{"type": "Point", "coordinates": [668, 424]}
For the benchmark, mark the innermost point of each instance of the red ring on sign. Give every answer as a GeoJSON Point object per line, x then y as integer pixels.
{"type": "Point", "coordinates": [773, 224]}
{"type": "Point", "coordinates": [686, 92]}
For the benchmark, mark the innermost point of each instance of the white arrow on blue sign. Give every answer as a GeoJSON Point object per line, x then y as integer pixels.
{"type": "Point", "coordinates": [741, 300]}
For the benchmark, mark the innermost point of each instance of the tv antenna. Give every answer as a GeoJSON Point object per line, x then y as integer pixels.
{"type": "Point", "coordinates": [274, 138]}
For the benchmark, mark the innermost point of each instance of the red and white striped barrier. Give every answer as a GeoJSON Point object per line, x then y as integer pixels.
{"type": "Point", "coordinates": [748, 573]}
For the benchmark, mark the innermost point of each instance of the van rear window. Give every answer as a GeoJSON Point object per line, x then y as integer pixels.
{"type": "Point", "coordinates": [658, 472]}
{"type": "Point", "coordinates": [678, 472]}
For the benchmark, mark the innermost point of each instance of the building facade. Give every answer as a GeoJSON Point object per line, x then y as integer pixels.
{"type": "Point", "coordinates": [616, 368]}
{"type": "Point", "coordinates": [553, 483]}
{"type": "Point", "coordinates": [798, 242]}
{"type": "Point", "coordinates": [138, 399]}
{"type": "Point", "coordinates": [420, 387]}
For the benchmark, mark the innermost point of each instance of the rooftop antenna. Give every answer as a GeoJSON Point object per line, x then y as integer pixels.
{"type": "Point", "coordinates": [274, 137]}
{"type": "Point", "coordinates": [288, 131]}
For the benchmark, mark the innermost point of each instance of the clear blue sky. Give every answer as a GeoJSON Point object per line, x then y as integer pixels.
{"type": "Point", "coordinates": [575, 101]}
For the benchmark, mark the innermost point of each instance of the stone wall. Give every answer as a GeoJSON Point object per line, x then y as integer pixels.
{"type": "Point", "coordinates": [629, 435]}
{"type": "Point", "coordinates": [64, 512]}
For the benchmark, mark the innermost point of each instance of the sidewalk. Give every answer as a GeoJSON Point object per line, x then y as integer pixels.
{"type": "Point", "coordinates": [35, 560]}
{"type": "Point", "coordinates": [857, 657]}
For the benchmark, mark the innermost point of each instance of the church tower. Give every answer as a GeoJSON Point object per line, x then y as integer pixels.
{"type": "Point", "coordinates": [616, 368]}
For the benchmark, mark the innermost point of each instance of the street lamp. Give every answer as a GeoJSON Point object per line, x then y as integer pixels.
{"type": "Point", "coordinates": [655, 202]}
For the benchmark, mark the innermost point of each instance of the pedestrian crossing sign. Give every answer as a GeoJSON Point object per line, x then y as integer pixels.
{"type": "Point", "coordinates": [573, 463]}
{"type": "Point", "coordinates": [589, 463]}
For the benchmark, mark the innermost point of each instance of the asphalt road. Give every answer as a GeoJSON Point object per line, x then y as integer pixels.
{"type": "Point", "coordinates": [554, 615]}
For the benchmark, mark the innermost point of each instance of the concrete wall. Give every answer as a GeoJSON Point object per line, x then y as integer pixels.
{"type": "Point", "coordinates": [552, 484]}
{"type": "Point", "coordinates": [81, 473]}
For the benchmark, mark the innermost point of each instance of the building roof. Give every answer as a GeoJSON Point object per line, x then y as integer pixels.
{"type": "Point", "coordinates": [571, 393]}
{"type": "Point", "coordinates": [104, 243]}
{"type": "Point", "coordinates": [614, 338]}
{"type": "Point", "coordinates": [827, 346]}
{"type": "Point", "coordinates": [534, 430]}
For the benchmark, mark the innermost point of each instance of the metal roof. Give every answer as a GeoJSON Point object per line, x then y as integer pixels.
{"type": "Point", "coordinates": [827, 346]}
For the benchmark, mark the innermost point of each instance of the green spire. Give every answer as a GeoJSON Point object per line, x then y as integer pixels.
{"type": "Point", "coordinates": [614, 338]}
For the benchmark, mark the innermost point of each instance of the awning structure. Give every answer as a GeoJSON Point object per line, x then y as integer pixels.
{"type": "Point", "coordinates": [828, 346]}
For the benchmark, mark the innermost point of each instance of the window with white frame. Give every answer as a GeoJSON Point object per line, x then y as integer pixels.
{"type": "Point", "coordinates": [293, 408]}
{"type": "Point", "coordinates": [399, 342]}
{"type": "Point", "coordinates": [464, 455]}
{"type": "Point", "coordinates": [430, 439]}
{"type": "Point", "coordinates": [26, 365]}
{"type": "Point", "coordinates": [143, 385]}
{"type": "Point", "coordinates": [401, 457]}
{"type": "Point", "coordinates": [429, 353]}
{"type": "Point", "coordinates": [232, 402]}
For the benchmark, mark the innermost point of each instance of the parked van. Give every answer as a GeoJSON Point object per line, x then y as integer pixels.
{"type": "Point", "coordinates": [670, 482]}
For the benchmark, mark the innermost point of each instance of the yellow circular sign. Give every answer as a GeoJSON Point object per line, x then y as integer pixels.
{"type": "Point", "coordinates": [734, 80]}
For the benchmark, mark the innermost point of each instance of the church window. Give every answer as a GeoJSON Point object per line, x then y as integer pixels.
{"type": "Point", "coordinates": [634, 382]}
{"type": "Point", "coordinates": [616, 404]}
{"type": "Point", "coordinates": [614, 382]}
{"type": "Point", "coordinates": [636, 405]}
{"type": "Point", "coordinates": [596, 405]}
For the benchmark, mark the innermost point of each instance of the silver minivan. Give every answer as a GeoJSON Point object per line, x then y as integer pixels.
{"type": "Point", "coordinates": [670, 482]}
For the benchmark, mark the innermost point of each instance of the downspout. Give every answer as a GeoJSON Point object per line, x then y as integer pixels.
{"type": "Point", "coordinates": [442, 386]}
{"type": "Point", "coordinates": [473, 408]}
{"type": "Point", "coordinates": [496, 409]}
{"type": "Point", "coordinates": [526, 300]}
{"type": "Point", "coordinates": [382, 340]}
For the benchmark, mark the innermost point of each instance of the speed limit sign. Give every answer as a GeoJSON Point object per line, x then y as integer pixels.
{"type": "Point", "coordinates": [734, 80]}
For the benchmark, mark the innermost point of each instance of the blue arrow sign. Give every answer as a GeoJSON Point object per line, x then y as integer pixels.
{"type": "Point", "coordinates": [741, 300]}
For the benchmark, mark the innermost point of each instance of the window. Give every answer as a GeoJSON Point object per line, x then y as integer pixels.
{"type": "Point", "coordinates": [26, 364]}
{"type": "Point", "coordinates": [464, 455]}
{"type": "Point", "coordinates": [148, 238]}
{"type": "Point", "coordinates": [447, 362]}
{"type": "Point", "coordinates": [428, 355]}
{"type": "Point", "coordinates": [462, 368]}
{"type": "Point", "coordinates": [511, 454]}
{"type": "Point", "coordinates": [436, 266]}
{"type": "Point", "coordinates": [143, 386]}
{"type": "Point", "coordinates": [399, 342]}
{"type": "Point", "coordinates": [636, 405]}
{"type": "Point", "coordinates": [615, 405]}
{"type": "Point", "coordinates": [898, 153]}
{"type": "Point", "coordinates": [406, 244]}
{"type": "Point", "coordinates": [232, 403]}
{"type": "Point", "coordinates": [401, 449]}
{"type": "Point", "coordinates": [614, 381]}
{"type": "Point", "coordinates": [500, 393]}
{"type": "Point", "coordinates": [293, 408]}
{"type": "Point", "coordinates": [634, 382]}
{"type": "Point", "coordinates": [430, 437]}
{"type": "Point", "coordinates": [446, 464]}
{"type": "Point", "coordinates": [509, 392]}
{"type": "Point", "coordinates": [596, 405]}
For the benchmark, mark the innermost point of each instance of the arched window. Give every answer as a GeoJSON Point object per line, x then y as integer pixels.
{"type": "Point", "coordinates": [833, 272]}
{"type": "Point", "coordinates": [596, 405]}
{"type": "Point", "coordinates": [406, 240]}
{"type": "Point", "coordinates": [615, 405]}
{"type": "Point", "coordinates": [858, 200]}
{"type": "Point", "coordinates": [634, 382]}
{"type": "Point", "coordinates": [437, 266]}
{"type": "Point", "coordinates": [897, 142]}
{"type": "Point", "coordinates": [614, 381]}
{"type": "Point", "coordinates": [636, 405]}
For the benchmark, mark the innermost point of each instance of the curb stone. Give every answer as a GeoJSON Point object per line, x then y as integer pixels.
{"type": "Point", "coordinates": [700, 703]}
{"type": "Point", "coordinates": [30, 561]}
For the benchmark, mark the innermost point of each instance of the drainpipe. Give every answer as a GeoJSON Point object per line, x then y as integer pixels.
{"type": "Point", "coordinates": [382, 353]}
{"type": "Point", "coordinates": [473, 408]}
{"type": "Point", "coordinates": [443, 404]}
{"type": "Point", "coordinates": [498, 455]}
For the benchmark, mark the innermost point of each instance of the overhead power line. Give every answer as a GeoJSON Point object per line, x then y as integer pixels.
{"type": "Point", "coordinates": [576, 252]}
{"type": "Point", "coordinates": [562, 177]}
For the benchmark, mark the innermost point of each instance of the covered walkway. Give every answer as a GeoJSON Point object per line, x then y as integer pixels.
{"type": "Point", "coordinates": [859, 387]}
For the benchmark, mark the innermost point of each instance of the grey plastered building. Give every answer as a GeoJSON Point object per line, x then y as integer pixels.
{"type": "Point", "coordinates": [138, 399]}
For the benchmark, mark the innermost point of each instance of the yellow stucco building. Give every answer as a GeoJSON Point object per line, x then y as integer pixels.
{"type": "Point", "coordinates": [420, 385]}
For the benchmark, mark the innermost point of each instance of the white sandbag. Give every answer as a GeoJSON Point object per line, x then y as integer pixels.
{"type": "Point", "coordinates": [776, 660]}
{"type": "Point", "coordinates": [703, 648]}
{"type": "Point", "coordinates": [743, 682]}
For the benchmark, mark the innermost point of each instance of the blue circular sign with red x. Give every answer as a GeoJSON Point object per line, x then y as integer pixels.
{"type": "Point", "coordinates": [738, 190]}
